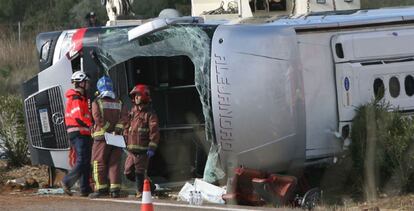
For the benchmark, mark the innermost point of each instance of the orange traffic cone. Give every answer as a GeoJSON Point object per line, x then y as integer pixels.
{"type": "Point", "coordinates": [146, 204]}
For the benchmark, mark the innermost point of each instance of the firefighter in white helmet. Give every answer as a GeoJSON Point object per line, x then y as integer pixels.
{"type": "Point", "coordinates": [78, 121]}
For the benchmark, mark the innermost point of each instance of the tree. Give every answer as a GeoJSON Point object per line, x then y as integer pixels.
{"type": "Point", "coordinates": [12, 10]}
{"type": "Point", "coordinates": [39, 14]}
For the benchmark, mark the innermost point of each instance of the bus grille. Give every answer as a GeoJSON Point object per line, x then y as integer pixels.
{"type": "Point", "coordinates": [57, 138]}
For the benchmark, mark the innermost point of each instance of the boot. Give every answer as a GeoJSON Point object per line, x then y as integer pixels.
{"type": "Point", "coordinates": [139, 182]}
{"type": "Point", "coordinates": [98, 194]}
{"type": "Point", "coordinates": [66, 189]}
{"type": "Point", "coordinates": [115, 194]}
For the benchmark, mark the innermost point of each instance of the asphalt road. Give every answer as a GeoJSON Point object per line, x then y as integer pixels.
{"type": "Point", "coordinates": [26, 202]}
{"type": "Point", "coordinates": [56, 202]}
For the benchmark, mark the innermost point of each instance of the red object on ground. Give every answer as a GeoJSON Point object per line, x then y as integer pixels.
{"type": "Point", "coordinates": [146, 197]}
{"type": "Point", "coordinates": [275, 189]}
{"type": "Point", "coordinates": [242, 191]}
{"type": "Point", "coordinates": [256, 188]}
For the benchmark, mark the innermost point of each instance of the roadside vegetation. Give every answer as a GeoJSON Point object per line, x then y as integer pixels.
{"type": "Point", "coordinates": [17, 63]}
{"type": "Point", "coordinates": [12, 130]}
{"type": "Point", "coordinates": [382, 152]}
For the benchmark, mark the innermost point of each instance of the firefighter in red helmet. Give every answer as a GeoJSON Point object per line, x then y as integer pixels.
{"type": "Point", "coordinates": [142, 134]}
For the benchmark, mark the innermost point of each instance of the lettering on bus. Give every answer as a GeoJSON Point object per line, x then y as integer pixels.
{"type": "Point", "coordinates": [225, 113]}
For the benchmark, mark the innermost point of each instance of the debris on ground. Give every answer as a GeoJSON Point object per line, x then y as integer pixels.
{"type": "Point", "coordinates": [173, 196]}
{"type": "Point", "coordinates": [40, 175]}
{"type": "Point", "coordinates": [22, 178]}
{"type": "Point", "coordinates": [15, 184]}
{"type": "Point", "coordinates": [21, 183]}
{"type": "Point", "coordinates": [184, 194]}
{"type": "Point", "coordinates": [50, 191]}
{"type": "Point", "coordinates": [209, 192]}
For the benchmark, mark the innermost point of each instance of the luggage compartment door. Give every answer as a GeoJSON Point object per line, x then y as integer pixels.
{"type": "Point", "coordinates": [372, 65]}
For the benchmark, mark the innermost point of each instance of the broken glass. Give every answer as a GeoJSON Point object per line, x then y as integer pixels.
{"type": "Point", "coordinates": [188, 40]}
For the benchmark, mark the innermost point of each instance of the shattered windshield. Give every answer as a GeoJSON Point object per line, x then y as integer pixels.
{"type": "Point", "coordinates": [193, 42]}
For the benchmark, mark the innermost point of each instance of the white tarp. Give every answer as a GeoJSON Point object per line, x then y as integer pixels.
{"type": "Point", "coordinates": [209, 192]}
{"type": "Point", "coordinates": [184, 194]}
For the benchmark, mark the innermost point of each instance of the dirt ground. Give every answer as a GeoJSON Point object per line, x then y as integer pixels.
{"type": "Point", "coordinates": [39, 173]}
{"type": "Point", "coordinates": [18, 197]}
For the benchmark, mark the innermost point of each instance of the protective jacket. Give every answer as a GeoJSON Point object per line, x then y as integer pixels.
{"type": "Point", "coordinates": [142, 131]}
{"type": "Point", "coordinates": [78, 118]}
{"type": "Point", "coordinates": [108, 116]}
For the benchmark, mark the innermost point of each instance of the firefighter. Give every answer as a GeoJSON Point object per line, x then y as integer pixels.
{"type": "Point", "coordinates": [78, 121]}
{"type": "Point", "coordinates": [92, 20]}
{"type": "Point", "coordinates": [107, 114]}
{"type": "Point", "coordinates": [142, 134]}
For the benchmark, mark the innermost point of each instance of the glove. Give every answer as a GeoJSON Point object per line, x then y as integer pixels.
{"type": "Point", "coordinates": [150, 153]}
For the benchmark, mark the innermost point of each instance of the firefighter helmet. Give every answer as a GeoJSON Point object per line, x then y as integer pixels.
{"type": "Point", "coordinates": [143, 91]}
{"type": "Point", "coordinates": [79, 76]}
{"type": "Point", "coordinates": [104, 84]}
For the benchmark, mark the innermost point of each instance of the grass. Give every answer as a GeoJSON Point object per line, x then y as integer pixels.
{"type": "Point", "coordinates": [18, 61]}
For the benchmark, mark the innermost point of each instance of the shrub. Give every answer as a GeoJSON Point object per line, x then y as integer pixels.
{"type": "Point", "coordinates": [381, 149]}
{"type": "Point", "coordinates": [12, 130]}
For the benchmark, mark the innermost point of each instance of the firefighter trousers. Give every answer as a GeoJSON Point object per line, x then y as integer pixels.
{"type": "Point", "coordinates": [135, 168]}
{"type": "Point", "coordinates": [135, 164]}
{"type": "Point", "coordinates": [82, 168]}
{"type": "Point", "coordinates": [106, 163]}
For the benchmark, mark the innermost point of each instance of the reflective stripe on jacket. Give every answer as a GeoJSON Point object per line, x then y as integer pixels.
{"type": "Point", "coordinates": [78, 118]}
{"type": "Point", "coordinates": [109, 116]}
{"type": "Point", "coordinates": [143, 130]}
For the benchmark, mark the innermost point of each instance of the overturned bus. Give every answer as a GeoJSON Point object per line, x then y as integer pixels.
{"type": "Point", "coordinates": [275, 96]}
